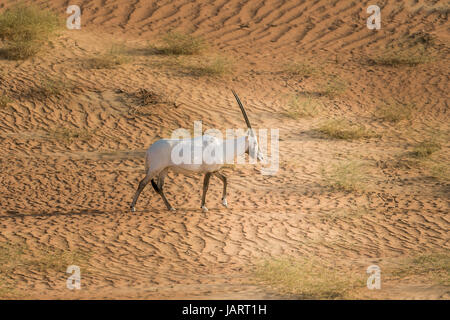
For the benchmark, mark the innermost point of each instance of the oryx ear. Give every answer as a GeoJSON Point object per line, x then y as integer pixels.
{"type": "Point", "coordinates": [243, 110]}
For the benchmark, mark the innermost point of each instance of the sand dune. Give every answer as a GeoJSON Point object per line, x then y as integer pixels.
{"type": "Point", "coordinates": [74, 194]}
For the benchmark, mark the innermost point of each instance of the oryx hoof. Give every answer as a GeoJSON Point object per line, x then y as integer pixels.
{"type": "Point", "coordinates": [172, 209]}
{"type": "Point", "coordinates": [133, 209]}
{"type": "Point", "coordinates": [204, 209]}
{"type": "Point", "coordinates": [224, 203]}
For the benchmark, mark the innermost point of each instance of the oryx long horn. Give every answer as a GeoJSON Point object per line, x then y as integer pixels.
{"type": "Point", "coordinates": [242, 109]}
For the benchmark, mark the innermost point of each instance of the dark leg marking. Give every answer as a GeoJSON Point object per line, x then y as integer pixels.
{"type": "Point", "coordinates": [155, 186]}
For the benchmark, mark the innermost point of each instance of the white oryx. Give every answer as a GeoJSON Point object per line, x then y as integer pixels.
{"type": "Point", "coordinates": [159, 158]}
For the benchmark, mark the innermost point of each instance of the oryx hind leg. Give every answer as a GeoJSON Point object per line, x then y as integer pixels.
{"type": "Point", "coordinates": [142, 184]}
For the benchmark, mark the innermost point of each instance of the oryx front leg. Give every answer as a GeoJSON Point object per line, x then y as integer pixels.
{"type": "Point", "coordinates": [205, 189]}
{"type": "Point", "coordinates": [159, 189]}
{"type": "Point", "coordinates": [224, 193]}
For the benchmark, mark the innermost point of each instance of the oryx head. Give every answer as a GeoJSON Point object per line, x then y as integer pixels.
{"type": "Point", "coordinates": [253, 148]}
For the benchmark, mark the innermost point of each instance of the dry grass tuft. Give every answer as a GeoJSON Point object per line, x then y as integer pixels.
{"type": "Point", "coordinates": [106, 61]}
{"type": "Point", "coordinates": [307, 278]}
{"type": "Point", "coordinates": [54, 259]}
{"type": "Point", "coordinates": [24, 30]}
{"type": "Point", "coordinates": [345, 176]}
{"type": "Point", "coordinates": [114, 57]}
{"type": "Point", "coordinates": [440, 171]}
{"type": "Point", "coordinates": [15, 256]}
{"type": "Point", "coordinates": [20, 258]}
{"type": "Point", "coordinates": [344, 130]}
{"type": "Point", "coordinates": [146, 97]}
{"type": "Point", "coordinates": [434, 266]}
{"type": "Point", "coordinates": [421, 38]}
{"type": "Point", "coordinates": [334, 87]}
{"type": "Point", "coordinates": [213, 67]}
{"type": "Point", "coordinates": [300, 69]}
{"type": "Point", "coordinates": [69, 135]}
{"type": "Point", "coordinates": [425, 149]}
{"type": "Point", "coordinates": [143, 98]}
{"type": "Point", "coordinates": [395, 112]}
{"type": "Point", "coordinates": [402, 56]}
{"type": "Point", "coordinates": [343, 214]}
{"type": "Point", "coordinates": [303, 107]}
{"type": "Point", "coordinates": [204, 66]}
{"type": "Point", "coordinates": [4, 101]}
{"type": "Point", "coordinates": [49, 87]}
{"type": "Point", "coordinates": [178, 43]}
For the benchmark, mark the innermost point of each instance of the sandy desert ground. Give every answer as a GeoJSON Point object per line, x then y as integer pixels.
{"type": "Point", "coordinates": [71, 161]}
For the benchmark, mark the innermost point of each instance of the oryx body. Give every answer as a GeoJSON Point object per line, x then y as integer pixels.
{"type": "Point", "coordinates": [162, 156]}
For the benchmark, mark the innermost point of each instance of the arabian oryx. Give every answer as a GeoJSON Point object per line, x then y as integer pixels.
{"type": "Point", "coordinates": [159, 159]}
